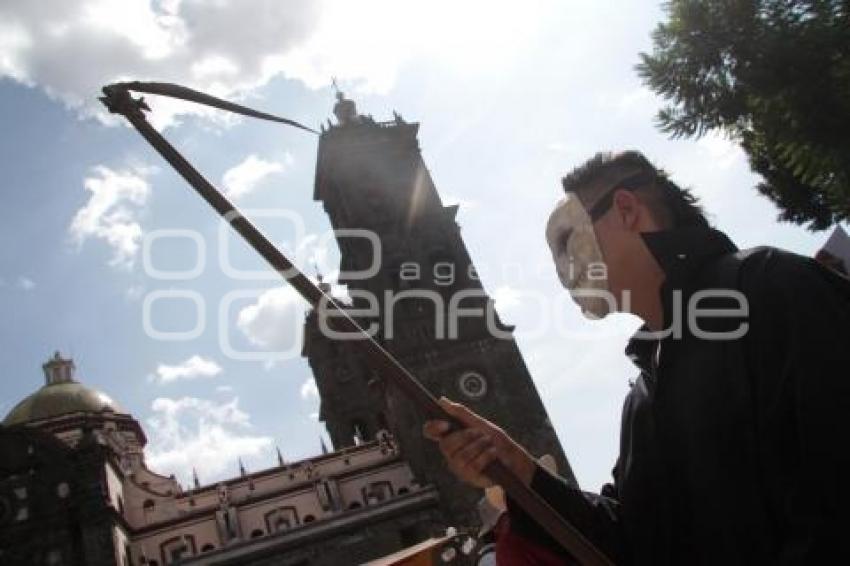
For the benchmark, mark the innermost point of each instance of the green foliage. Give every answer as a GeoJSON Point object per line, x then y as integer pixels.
{"type": "Point", "coordinates": [773, 75]}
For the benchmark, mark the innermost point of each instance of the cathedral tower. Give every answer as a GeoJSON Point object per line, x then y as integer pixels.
{"type": "Point", "coordinates": [415, 283]}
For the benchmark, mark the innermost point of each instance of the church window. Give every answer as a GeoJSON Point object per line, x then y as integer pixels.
{"type": "Point", "coordinates": [309, 518]}
{"type": "Point", "coordinates": [281, 519]}
{"type": "Point", "coordinates": [148, 505]}
{"type": "Point", "coordinates": [355, 505]}
{"type": "Point", "coordinates": [207, 548]}
{"type": "Point", "coordinates": [257, 533]}
{"type": "Point", "coordinates": [377, 492]}
{"type": "Point", "coordinates": [177, 548]}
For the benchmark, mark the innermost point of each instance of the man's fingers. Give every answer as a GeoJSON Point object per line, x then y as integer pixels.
{"type": "Point", "coordinates": [452, 444]}
{"type": "Point", "coordinates": [434, 430]}
{"type": "Point", "coordinates": [461, 413]}
{"type": "Point", "coordinates": [483, 460]}
{"type": "Point", "coordinates": [471, 450]}
{"type": "Point", "coordinates": [472, 470]}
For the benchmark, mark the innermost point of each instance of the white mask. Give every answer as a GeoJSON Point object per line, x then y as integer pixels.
{"type": "Point", "coordinates": [575, 250]}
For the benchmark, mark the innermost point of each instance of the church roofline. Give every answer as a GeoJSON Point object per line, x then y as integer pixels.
{"type": "Point", "coordinates": [146, 487]}
{"type": "Point", "coordinates": [304, 485]}
{"type": "Point", "coordinates": [298, 465]}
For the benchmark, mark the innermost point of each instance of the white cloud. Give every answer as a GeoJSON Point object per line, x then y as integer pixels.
{"type": "Point", "coordinates": [71, 49]}
{"type": "Point", "coordinates": [243, 178]}
{"type": "Point", "coordinates": [191, 368]}
{"type": "Point", "coordinates": [309, 389]}
{"type": "Point", "coordinates": [209, 436]}
{"type": "Point", "coordinates": [224, 389]}
{"type": "Point", "coordinates": [320, 253]}
{"type": "Point", "coordinates": [230, 48]}
{"type": "Point", "coordinates": [370, 41]}
{"type": "Point", "coordinates": [274, 320]}
{"type": "Point", "coordinates": [110, 213]}
{"type": "Point", "coordinates": [26, 283]}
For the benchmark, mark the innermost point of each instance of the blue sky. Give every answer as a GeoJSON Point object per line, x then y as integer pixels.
{"type": "Point", "coordinates": [509, 97]}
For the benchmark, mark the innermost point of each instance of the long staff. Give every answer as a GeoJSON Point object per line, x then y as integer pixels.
{"type": "Point", "coordinates": [118, 100]}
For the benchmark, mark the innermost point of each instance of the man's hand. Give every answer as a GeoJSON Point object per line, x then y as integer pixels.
{"type": "Point", "coordinates": [469, 450]}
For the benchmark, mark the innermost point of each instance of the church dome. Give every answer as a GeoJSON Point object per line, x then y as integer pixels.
{"type": "Point", "coordinates": [60, 396]}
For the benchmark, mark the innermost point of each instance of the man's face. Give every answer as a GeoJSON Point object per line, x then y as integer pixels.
{"type": "Point", "coordinates": [601, 257]}
{"type": "Point", "coordinates": [578, 257]}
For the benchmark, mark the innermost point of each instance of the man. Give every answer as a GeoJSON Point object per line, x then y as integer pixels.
{"type": "Point", "coordinates": [735, 437]}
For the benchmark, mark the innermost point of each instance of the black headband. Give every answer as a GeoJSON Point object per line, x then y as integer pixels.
{"type": "Point", "coordinates": [630, 183]}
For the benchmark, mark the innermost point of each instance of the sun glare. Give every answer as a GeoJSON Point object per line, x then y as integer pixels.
{"type": "Point", "coordinates": [375, 38]}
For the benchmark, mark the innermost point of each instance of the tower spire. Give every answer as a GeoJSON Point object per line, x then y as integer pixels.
{"type": "Point", "coordinates": [195, 480]}
{"type": "Point", "coordinates": [280, 460]}
{"type": "Point", "coordinates": [345, 110]}
{"type": "Point", "coordinates": [242, 471]}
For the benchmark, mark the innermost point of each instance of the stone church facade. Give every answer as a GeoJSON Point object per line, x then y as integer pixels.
{"type": "Point", "coordinates": [74, 487]}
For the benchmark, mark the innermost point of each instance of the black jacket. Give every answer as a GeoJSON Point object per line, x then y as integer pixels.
{"type": "Point", "coordinates": [733, 451]}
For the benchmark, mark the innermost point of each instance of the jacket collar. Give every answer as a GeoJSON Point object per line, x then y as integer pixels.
{"type": "Point", "coordinates": [681, 253]}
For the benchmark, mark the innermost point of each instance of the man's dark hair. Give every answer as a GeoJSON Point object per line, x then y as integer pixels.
{"type": "Point", "coordinates": [671, 206]}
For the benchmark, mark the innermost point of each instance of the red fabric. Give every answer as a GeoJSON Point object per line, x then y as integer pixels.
{"type": "Point", "coordinates": [513, 549]}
